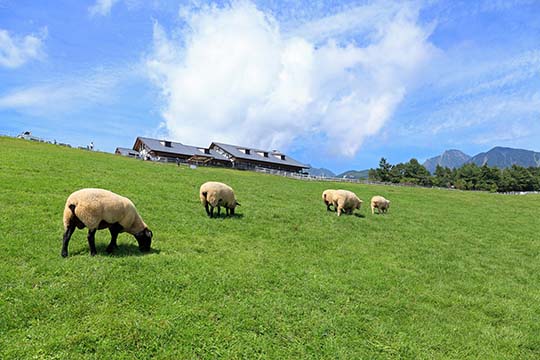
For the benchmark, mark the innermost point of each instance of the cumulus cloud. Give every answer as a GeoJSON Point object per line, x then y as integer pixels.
{"type": "Point", "coordinates": [15, 51]}
{"type": "Point", "coordinates": [102, 7]}
{"type": "Point", "coordinates": [232, 75]}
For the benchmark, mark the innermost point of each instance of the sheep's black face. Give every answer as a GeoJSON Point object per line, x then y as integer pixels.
{"type": "Point", "coordinates": [144, 238]}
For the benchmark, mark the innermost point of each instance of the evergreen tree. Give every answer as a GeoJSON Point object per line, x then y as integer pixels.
{"type": "Point", "coordinates": [384, 170]}
{"type": "Point", "coordinates": [443, 177]}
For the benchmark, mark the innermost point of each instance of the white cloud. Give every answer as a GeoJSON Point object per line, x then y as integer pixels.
{"type": "Point", "coordinates": [486, 110]}
{"type": "Point", "coordinates": [355, 19]}
{"type": "Point", "coordinates": [102, 7]}
{"type": "Point", "coordinates": [483, 94]}
{"type": "Point", "coordinates": [510, 133]}
{"type": "Point", "coordinates": [62, 95]}
{"type": "Point", "coordinates": [15, 51]}
{"type": "Point", "coordinates": [236, 77]}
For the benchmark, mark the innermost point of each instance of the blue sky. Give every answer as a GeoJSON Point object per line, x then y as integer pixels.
{"type": "Point", "coordinates": [336, 84]}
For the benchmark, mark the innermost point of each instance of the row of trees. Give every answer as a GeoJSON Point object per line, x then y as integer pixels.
{"type": "Point", "coordinates": [468, 177]}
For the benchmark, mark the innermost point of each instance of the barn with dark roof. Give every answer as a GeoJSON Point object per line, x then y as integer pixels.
{"type": "Point", "coordinates": [170, 151]}
{"type": "Point", "coordinates": [247, 158]}
{"type": "Point", "coordinates": [217, 154]}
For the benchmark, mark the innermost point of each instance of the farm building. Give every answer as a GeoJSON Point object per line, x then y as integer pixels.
{"type": "Point", "coordinates": [170, 151]}
{"type": "Point", "coordinates": [218, 154]}
{"type": "Point", "coordinates": [247, 158]}
{"type": "Point", "coordinates": [126, 152]}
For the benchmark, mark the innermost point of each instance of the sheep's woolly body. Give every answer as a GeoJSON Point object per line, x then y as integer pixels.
{"type": "Point", "coordinates": [345, 200]}
{"type": "Point", "coordinates": [217, 194]}
{"type": "Point", "coordinates": [97, 208]}
{"type": "Point", "coordinates": [328, 198]}
{"type": "Point", "coordinates": [379, 203]}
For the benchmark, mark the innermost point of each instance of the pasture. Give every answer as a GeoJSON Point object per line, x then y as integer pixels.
{"type": "Point", "coordinates": [444, 275]}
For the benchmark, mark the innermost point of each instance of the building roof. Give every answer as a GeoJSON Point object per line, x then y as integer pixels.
{"type": "Point", "coordinates": [126, 151]}
{"type": "Point", "coordinates": [274, 157]}
{"type": "Point", "coordinates": [177, 148]}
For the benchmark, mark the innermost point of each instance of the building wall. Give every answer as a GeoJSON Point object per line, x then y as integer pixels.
{"type": "Point", "coordinates": [245, 164]}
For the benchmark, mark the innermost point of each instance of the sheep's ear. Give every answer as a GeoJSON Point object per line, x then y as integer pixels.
{"type": "Point", "coordinates": [237, 203]}
{"type": "Point", "coordinates": [148, 233]}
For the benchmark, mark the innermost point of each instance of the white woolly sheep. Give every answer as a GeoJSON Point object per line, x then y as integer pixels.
{"type": "Point", "coordinates": [215, 194]}
{"type": "Point", "coordinates": [347, 201]}
{"type": "Point", "coordinates": [379, 203]}
{"type": "Point", "coordinates": [328, 198]}
{"type": "Point", "coordinates": [99, 209]}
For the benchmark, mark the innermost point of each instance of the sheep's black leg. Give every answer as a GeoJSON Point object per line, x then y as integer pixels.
{"type": "Point", "coordinates": [207, 210]}
{"type": "Point", "coordinates": [211, 211]}
{"type": "Point", "coordinates": [227, 211]}
{"type": "Point", "coordinates": [115, 229]}
{"type": "Point", "coordinates": [65, 240]}
{"type": "Point", "coordinates": [92, 242]}
{"type": "Point", "coordinates": [218, 210]}
{"type": "Point", "coordinates": [232, 211]}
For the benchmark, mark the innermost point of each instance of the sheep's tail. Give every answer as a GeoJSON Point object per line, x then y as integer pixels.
{"type": "Point", "coordinates": [69, 215]}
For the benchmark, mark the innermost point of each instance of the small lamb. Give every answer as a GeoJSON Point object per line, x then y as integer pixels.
{"type": "Point", "coordinates": [381, 204]}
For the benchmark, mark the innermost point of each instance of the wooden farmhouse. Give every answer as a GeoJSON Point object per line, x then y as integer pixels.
{"type": "Point", "coordinates": [170, 151]}
{"type": "Point", "coordinates": [217, 154]}
{"type": "Point", "coordinates": [126, 152]}
{"type": "Point", "coordinates": [246, 158]}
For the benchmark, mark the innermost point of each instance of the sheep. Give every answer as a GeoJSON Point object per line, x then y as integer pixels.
{"type": "Point", "coordinates": [98, 209]}
{"type": "Point", "coordinates": [345, 200]}
{"type": "Point", "coordinates": [379, 203]}
{"type": "Point", "coordinates": [328, 198]}
{"type": "Point", "coordinates": [217, 194]}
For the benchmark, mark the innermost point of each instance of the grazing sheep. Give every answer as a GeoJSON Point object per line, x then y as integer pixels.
{"type": "Point", "coordinates": [328, 198]}
{"type": "Point", "coordinates": [217, 194]}
{"type": "Point", "coordinates": [379, 203]}
{"type": "Point", "coordinates": [98, 209]}
{"type": "Point", "coordinates": [345, 200]}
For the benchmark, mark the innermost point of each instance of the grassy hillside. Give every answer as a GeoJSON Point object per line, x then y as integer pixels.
{"type": "Point", "coordinates": [445, 275]}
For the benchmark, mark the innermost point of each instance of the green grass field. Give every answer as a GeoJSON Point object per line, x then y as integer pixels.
{"type": "Point", "coordinates": [445, 275]}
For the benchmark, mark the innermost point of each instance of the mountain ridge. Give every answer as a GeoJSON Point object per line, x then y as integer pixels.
{"type": "Point", "coordinates": [499, 156]}
{"type": "Point", "coordinates": [450, 158]}
{"type": "Point", "coordinates": [504, 157]}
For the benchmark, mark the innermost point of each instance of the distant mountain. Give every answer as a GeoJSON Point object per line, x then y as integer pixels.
{"type": "Point", "coordinates": [321, 172]}
{"type": "Point", "coordinates": [354, 174]}
{"type": "Point", "coordinates": [450, 158]}
{"type": "Point", "coordinates": [503, 157]}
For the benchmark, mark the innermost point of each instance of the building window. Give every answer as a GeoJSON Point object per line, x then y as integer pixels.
{"type": "Point", "coordinates": [166, 143]}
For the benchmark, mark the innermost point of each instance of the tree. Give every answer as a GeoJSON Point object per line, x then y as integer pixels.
{"type": "Point", "coordinates": [416, 173]}
{"type": "Point", "coordinates": [443, 177]}
{"type": "Point", "coordinates": [384, 170]}
{"type": "Point", "coordinates": [488, 179]}
{"type": "Point", "coordinates": [468, 176]}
